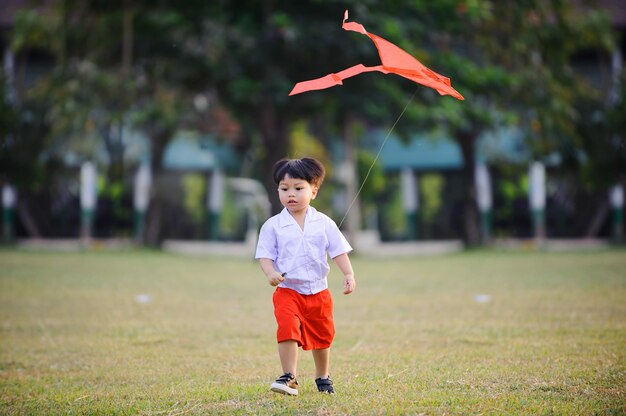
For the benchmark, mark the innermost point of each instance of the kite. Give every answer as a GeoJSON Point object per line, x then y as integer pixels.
{"type": "Point", "coordinates": [394, 60]}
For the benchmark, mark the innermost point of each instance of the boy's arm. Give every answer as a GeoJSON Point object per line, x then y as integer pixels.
{"type": "Point", "coordinates": [343, 262]}
{"type": "Point", "coordinates": [273, 277]}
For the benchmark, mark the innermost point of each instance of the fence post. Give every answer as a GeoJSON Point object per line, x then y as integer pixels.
{"type": "Point", "coordinates": [215, 202]}
{"type": "Point", "coordinates": [88, 195]}
{"type": "Point", "coordinates": [410, 201]}
{"type": "Point", "coordinates": [484, 200]}
{"type": "Point", "coordinates": [538, 199]}
{"type": "Point", "coordinates": [141, 200]}
{"type": "Point", "coordinates": [8, 205]}
{"type": "Point", "coordinates": [617, 206]}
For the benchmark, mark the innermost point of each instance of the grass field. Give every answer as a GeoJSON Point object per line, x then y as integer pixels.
{"type": "Point", "coordinates": [549, 337]}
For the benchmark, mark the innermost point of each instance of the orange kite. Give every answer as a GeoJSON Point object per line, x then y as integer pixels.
{"type": "Point", "coordinates": [394, 60]}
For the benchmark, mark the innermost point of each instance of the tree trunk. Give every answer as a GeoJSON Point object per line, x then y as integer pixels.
{"type": "Point", "coordinates": [114, 146]}
{"type": "Point", "coordinates": [275, 141]}
{"type": "Point", "coordinates": [127, 38]}
{"type": "Point", "coordinates": [28, 221]}
{"type": "Point", "coordinates": [159, 141]}
{"type": "Point", "coordinates": [471, 226]}
{"type": "Point", "coordinates": [598, 220]}
{"type": "Point", "coordinates": [270, 122]}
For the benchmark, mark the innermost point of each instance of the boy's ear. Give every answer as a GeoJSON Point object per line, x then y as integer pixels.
{"type": "Point", "coordinates": [315, 189]}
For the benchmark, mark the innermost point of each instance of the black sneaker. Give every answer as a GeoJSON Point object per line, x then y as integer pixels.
{"type": "Point", "coordinates": [285, 384]}
{"type": "Point", "coordinates": [325, 385]}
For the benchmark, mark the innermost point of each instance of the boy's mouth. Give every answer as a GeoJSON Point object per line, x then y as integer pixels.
{"type": "Point", "coordinates": [292, 201]}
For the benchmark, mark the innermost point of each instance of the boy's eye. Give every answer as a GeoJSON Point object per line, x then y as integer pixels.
{"type": "Point", "coordinates": [299, 189]}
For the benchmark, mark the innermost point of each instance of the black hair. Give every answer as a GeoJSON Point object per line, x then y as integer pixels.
{"type": "Point", "coordinates": [307, 168]}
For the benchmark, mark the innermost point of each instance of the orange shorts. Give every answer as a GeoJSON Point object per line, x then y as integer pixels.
{"type": "Point", "coordinates": [306, 319]}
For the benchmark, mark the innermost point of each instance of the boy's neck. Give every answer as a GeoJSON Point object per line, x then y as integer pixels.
{"type": "Point", "coordinates": [299, 216]}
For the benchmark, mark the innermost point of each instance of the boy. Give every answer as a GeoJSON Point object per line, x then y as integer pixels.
{"type": "Point", "coordinates": [292, 251]}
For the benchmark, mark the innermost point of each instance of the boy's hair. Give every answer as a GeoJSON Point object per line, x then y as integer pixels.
{"type": "Point", "coordinates": [306, 168]}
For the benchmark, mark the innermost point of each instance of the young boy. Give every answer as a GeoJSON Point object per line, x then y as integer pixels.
{"type": "Point", "coordinates": [292, 251]}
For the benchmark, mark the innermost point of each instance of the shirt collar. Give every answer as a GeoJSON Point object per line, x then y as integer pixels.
{"type": "Point", "coordinates": [285, 219]}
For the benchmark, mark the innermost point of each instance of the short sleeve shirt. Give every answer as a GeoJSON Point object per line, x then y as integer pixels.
{"type": "Point", "coordinates": [302, 254]}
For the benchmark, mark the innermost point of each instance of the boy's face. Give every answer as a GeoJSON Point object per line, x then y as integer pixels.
{"type": "Point", "coordinates": [296, 194]}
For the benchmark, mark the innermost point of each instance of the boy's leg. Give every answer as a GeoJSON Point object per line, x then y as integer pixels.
{"type": "Point", "coordinates": [322, 362]}
{"type": "Point", "coordinates": [287, 383]}
{"type": "Point", "coordinates": [322, 377]}
{"type": "Point", "coordinates": [288, 353]}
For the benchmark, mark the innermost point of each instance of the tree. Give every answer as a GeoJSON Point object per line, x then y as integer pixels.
{"type": "Point", "coordinates": [147, 61]}
{"type": "Point", "coordinates": [513, 62]}
{"type": "Point", "coordinates": [81, 102]}
{"type": "Point", "coordinates": [263, 48]}
{"type": "Point", "coordinates": [116, 64]}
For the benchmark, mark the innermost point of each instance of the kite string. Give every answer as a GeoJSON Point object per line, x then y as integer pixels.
{"type": "Point", "coordinates": [380, 150]}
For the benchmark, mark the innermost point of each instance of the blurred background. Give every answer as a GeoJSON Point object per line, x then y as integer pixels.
{"type": "Point", "coordinates": [157, 120]}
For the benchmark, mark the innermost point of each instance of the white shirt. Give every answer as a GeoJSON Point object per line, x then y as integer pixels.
{"type": "Point", "coordinates": [302, 254]}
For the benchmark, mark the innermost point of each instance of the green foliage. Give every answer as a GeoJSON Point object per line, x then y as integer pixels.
{"type": "Point", "coordinates": [93, 89]}
{"type": "Point", "coordinates": [393, 217]}
{"type": "Point", "coordinates": [373, 187]}
{"type": "Point", "coordinates": [431, 186]}
{"type": "Point", "coordinates": [510, 188]}
{"type": "Point", "coordinates": [194, 188]}
{"type": "Point", "coordinates": [30, 30]}
{"type": "Point", "coordinates": [303, 144]}
{"type": "Point", "coordinates": [372, 182]}
{"type": "Point", "coordinates": [232, 219]}
{"type": "Point", "coordinates": [143, 62]}
{"type": "Point", "coordinates": [22, 137]}
{"type": "Point", "coordinates": [604, 139]}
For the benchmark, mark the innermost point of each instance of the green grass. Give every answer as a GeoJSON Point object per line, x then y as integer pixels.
{"type": "Point", "coordinates": [410, 340]}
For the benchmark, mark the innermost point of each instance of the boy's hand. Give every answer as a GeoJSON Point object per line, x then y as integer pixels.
{"type": "Point", "coordinates": [274, 278]}
{"type": "Point", "coordinates": [349, 284]}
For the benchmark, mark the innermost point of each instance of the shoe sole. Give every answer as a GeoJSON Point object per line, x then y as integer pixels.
{"type": "Point", "coordinates": [282, 389]}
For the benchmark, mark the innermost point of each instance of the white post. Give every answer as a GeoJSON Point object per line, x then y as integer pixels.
{"type": "Point", "coordinates": [215, 202]}
{"type": "Point", "coordinates": [617, 206]}
{"type": "Point", "coordinates": [410, 200]}
{"type": "Point", "coordinates": [9, 199]}
{"type": "Point", "coordinates": [617, 192]}
{"type": "Point", "coordinates": [482, 180]}
{"type": "Point", "coordinates": [88, 195]}
{"type": "Point", "coordinates": [538, 198]}
{"type": "Point", "coordinates": [8, 193]}
{"type": "Point", "coordinates": [141, 199]}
